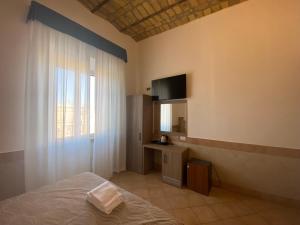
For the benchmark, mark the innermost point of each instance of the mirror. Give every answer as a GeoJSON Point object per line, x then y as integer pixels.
{"type": "Point", "coordinates": [173, 117]}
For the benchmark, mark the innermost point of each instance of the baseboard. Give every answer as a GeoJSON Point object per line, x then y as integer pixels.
{"type": "Point", "coordinates": [11, 156]}
{"type": "Point", "coordinates": [172, 181]}
{"type": "Point", "coordinates": [261, 195]}
{"type": "Point", "coordinates": [12, 181]}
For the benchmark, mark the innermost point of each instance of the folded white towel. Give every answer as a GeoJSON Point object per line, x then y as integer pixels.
{"type": "Point", "coordinates": [105, 197]}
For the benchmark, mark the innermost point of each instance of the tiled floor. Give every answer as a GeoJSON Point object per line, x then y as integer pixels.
{"type": "Point", "coordinates": [220, 208]}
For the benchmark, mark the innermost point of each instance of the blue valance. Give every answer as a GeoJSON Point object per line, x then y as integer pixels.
{"type": "Point", "coordinates": [63, 24]}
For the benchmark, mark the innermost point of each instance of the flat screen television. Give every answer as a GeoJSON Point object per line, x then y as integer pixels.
{"type": "Point", "coordinates": [169, 88]}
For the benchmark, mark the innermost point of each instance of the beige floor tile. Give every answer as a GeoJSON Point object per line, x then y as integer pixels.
{"type": "Point", "coordinates": [222, 210]}
{"type": "Point", "coordinates": [150, 177]}
{"type": "Point", "coordinates": [156, 192]}
{"type": "Point", "coordinates": [219, 222]}
{"type": "Point", "coordinates": [221, 207]}
{"type": "Point", "coordinates": [166, 185]}
{"type": "Point", "coordinates": [138, 185]}
{"type": "Point", "coordinates": [153, 184]}
{"type": "Point", "coordinates": [185, 216]}
{"type": "Point", "coordinates": [161, 203]}
{"type": "Point", "coordinates": [218, 195]}
{"type": "Point", "coordinates": [253, 220]}
{"type": "Point", "coordinates": [239, 209]}
{"type": "Point", "coordinates": [178, 202]}
{"type": "Point", "coordinates": [194, 199]}
{"type": "Point", "coordinates": [142, 192]}
{"type": "Point", "coordinates": [205, 214]}
{"type": "Point", "coordinates": [282, 216]}
{"type": "Point", "coordinates": [170, 190]}
{"type": "Point", "coordinates": [185, 190]}
{"type": "Point", "coordinates": [212, 199]}
{"type": "Point", "coordinates": [170, 211]}
{"type": "Point", "coordinates": [234, 221]}
{"type": "Point", "coordinates": [126, 185]}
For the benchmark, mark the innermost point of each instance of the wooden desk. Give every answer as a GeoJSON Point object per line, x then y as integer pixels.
{"type": "Point", "coordinates": [174, 159]}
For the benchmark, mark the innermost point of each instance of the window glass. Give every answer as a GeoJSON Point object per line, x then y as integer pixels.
{"type": "Point", "coordinates": [65, 103]}
{"type": "Point", "coordinates": [67, 107]}
{"type": "Point", "coordinates": [165, 117]}
{"type": "Point", "coordinates": [92, 105]}
{"type": "Point", "coordinates": [84, 96]}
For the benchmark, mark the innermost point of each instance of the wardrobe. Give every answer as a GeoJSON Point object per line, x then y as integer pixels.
{"type": "Point", "coordinates": [139, 129]}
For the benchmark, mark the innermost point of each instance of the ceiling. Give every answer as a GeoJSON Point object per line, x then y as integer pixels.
{"type": "Point", "coordinates": [144, 18]}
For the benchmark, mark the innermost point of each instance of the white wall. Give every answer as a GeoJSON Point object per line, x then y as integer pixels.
{"type": "Point", "coordinates": [13, 45]}
{"type": "Point", "coordinates": [243, 86]}
{"type": "Point", "coordinates": [243, 72]}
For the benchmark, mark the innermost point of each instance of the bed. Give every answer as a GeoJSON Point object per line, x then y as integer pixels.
{"type": "Point", "coordinates": [65, 203]}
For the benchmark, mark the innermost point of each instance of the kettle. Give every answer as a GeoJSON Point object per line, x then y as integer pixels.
{"type": "Point", "coordinates": [164, 139]}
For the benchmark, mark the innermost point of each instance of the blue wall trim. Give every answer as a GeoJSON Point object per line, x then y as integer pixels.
{"type": "Point", "coordinates": [63, 24]}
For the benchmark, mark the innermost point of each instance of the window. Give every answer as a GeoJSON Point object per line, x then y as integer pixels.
{"type": "Point", "coordinates": [65, 92]}
{"type": "Point", "coordinates": [92, 104]}
{"type": "Point", "coordinates": [66, 121]}
{"type": "Point", "coordinates": [92, 95]}
{"type": "Point", "coordinates": [165, 117]}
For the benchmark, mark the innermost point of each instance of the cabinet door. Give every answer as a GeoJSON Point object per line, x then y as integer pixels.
{"type": "Point", "coordinates": [138, 117]}
{"type": "Point", "coordinates": [134, 133]}
{"type": "Point", "coordinates": [165, 164]}
{"type": "Point", "coordinates": [197, 179]}
{"type": "Point", "coordinates": [172, 167]}
{"type": "Point", "coordinates": [147, 119]}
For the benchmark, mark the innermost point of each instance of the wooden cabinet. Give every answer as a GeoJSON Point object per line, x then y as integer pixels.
{"type": "Point", "coordinates": [172, 167]}
{"type": "Point", "coordinates": [199, 176]}
{"type": "Point", "coordinates": [139, 129]}
{"type": "Point", "coordinates": [174, 159]}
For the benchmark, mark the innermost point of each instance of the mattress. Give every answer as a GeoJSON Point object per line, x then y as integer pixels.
{"type": "Point", "coordinates": [65, 203]}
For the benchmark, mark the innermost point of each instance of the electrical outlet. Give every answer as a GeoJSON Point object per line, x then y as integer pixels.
{"type": "Point", "coordinates": [182, 138]}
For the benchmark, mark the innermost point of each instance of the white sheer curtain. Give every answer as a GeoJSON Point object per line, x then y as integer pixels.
{"type": "Point", "coordinates": [57, 141]}
{"type": "Point", "coordinates": [109, 153]}
{"type": "Point", "coordinates": [57, 109]}
{"type": "Point", "coordinates": [166, 117]}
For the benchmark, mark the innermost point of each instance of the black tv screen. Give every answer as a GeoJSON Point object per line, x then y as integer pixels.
{"type": "Point", "coordinates": [169, 88]}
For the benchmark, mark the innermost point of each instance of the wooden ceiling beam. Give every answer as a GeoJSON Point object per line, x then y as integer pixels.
{"type": "Point", "coordinates": [138, 18]}
{"type": "Point", "coordinates": [153, 14]}
{"type": "Point", "coordinates": [97, 7]}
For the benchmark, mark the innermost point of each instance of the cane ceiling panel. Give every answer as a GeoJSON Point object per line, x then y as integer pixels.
{"type": "Point", "coordinates": [144, 18]}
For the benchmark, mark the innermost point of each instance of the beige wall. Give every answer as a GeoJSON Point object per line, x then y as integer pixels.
{"type": "Point", "coordinates": [243, 72]}
{"type": "Point", "coordinates": [13, 45]}
{"type": "Point", "coordinates": [243, 86]}
{"type": "Point", "coordinates": [271, 175]}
